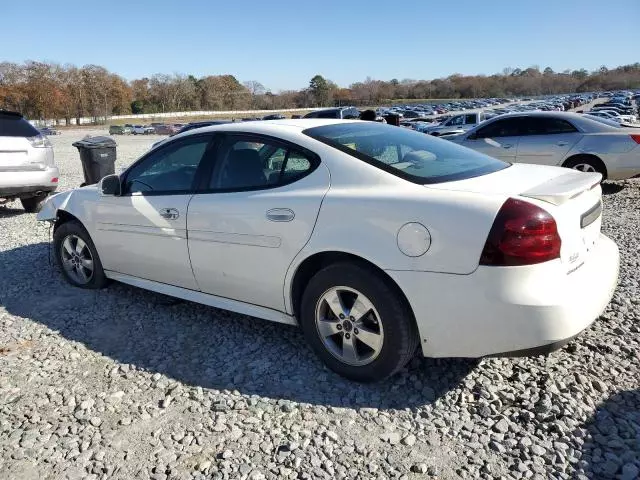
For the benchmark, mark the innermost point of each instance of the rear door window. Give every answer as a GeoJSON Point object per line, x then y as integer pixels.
{"type": "Point", "coordinates": [547, 126]}
{"type": "Point", "coordinates": [254, 163]}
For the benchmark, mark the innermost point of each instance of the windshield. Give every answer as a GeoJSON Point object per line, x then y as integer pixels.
{"type": "Point", "coordinates": [408, 154]}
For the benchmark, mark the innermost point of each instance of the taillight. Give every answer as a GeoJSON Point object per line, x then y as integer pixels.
{"type": "Point", "coordinates": [39, 141]}
{"type": "Point", "coordinates": [522, 234]}
{"type": "Point", "coordinates": [54, 180]}
{"type": "Point", "coordinates": [635, 138]}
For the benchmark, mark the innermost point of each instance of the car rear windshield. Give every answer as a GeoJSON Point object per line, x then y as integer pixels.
{"type": "Point", "coordinates": [12, 125]}
{"type": "Point", "coordinates": [406, 153]}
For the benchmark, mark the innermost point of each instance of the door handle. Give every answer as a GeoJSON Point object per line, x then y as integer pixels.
{"type": "Point", "coordinates": [169, 213]}
{"type": "Point", "coordinates": [506, 145]}
{"type": "Point", "coordinates": [280, 215]}
{"type": "Point", "coordinates": [562, 144]}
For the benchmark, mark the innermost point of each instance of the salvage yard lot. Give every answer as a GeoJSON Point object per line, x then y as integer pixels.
{"type": "Point", "coordinates": [125, 383]}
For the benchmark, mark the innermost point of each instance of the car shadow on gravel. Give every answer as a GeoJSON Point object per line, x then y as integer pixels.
{"type": "Point", "coordinates": [611, 449]}
{"type": "Point", "coordinates": [7, 212]}
{"type": "Point", "coordinates": [611, 188]}
{"type": "Point", "coordinates": [203, 346]}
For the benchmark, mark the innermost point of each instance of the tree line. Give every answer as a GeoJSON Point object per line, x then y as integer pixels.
{"type": "Point", "coordinates": [42, 90]}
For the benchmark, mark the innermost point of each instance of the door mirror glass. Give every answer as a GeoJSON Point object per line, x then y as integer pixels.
{"type": "Point", "coordinates": [110, 185]}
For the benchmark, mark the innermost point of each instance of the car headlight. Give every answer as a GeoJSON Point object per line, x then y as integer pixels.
{"type": "Point", "coordinates": [39, 141]}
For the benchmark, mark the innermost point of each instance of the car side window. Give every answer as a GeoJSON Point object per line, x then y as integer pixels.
{"type": "Point", "coordinates": [328, 114]}
{"type": "Point", "coordinates": [506, 127]}
{"type": "Point", "coordinates": [459, 120]}
{"type": "Point", "coordinates": [169, 169]}
{"type": "Point", "coordinates": [296, 165]}
{"type": "Point", "coordinates": [246, 164]}
{"type": "Point", "coordinates": [469, 119]}
{"type": "Point", "coordinates": [547, 126]}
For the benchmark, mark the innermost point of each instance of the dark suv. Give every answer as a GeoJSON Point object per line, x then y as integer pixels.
{"type": "Point", "coordinates": [339, 112]}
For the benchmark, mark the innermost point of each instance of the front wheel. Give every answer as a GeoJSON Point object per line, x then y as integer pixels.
{"type": "Point", "coordinates": [357, 322]}
{"type": "Point", "coordinates": [77, 256]}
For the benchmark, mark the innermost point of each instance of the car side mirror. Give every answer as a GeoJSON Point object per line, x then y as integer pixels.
{"type": "Point", "coordinates": [110, 185]}
{"type": "Point", "coordinates": [473, 136]}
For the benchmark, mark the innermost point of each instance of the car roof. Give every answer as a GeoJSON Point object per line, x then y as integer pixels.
{"type": "Point", "coordinates": [274, 125]}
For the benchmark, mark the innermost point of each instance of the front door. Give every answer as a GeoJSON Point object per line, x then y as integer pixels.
{"type": "Point", "coordinates": [143, 232]}
{"type": "Point", "coordinates": [499, 139]}
{"type": "Point", "coordinates": [260, 209]}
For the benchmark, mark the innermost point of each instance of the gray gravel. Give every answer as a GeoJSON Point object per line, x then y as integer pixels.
{"type": "Point", "coordinates": [124, 383]}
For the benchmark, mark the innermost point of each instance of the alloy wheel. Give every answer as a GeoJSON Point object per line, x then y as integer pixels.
{"type": "Point", "coordinates": [584, 167]}
{"type": "Point", "coordinates": [76, 259]}
{"type": "Point", "coordinates": [349, 326]}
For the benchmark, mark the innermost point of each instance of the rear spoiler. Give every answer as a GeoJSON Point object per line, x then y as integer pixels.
{"type": "Point", "coordinates": [561, 189]}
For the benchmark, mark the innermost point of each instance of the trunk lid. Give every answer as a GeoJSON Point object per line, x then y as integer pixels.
{"type": "Point", "coordinates": [573, 198]}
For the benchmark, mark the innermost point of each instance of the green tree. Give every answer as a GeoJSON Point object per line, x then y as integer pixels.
{"type": "Point", "coordinates": [319, 88]}
{"type": "Point", "coordinates": [137, 106]}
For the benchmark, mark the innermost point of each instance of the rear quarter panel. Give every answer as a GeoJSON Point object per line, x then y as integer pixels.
{"type": "Point", "coordinates": [365, 222]}
{"type": "Point", "coordinates": [606, 143]}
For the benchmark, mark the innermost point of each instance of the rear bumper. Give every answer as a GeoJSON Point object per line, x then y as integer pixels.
{"type": "Point", "coordinates": [623, 166]}
{"type": "Point", "coordinates": [13, 184]}
{"type": "Point", "coordinates": [509, 311]}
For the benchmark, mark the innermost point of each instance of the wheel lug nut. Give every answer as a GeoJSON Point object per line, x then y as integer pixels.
{"type": "Point", "coordinates": [347, 336]}
{"type": "Point", "coordinates": [352, 319]}
{"type": "Point", "coordinates": [355, 331]}
{"type": "Point", "coordinates": [339, 327]}
{"type": "Point", "coordinates": [341, 316]}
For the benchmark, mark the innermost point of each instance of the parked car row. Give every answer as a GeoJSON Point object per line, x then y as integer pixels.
{"type": "Point", "coordinates": [129, 129]}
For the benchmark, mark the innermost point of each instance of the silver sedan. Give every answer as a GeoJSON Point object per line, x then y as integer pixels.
{"type": "Point", "coordinates": [558, 138]}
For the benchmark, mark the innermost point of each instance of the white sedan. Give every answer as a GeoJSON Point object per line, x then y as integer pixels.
{"type": "Point", "coordinates": [376, 240]}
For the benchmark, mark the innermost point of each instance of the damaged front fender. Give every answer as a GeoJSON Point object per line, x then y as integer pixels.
{"type": "Point", "coordinates": [49, 210]}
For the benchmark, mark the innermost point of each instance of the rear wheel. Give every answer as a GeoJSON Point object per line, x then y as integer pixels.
{"type": "Point", "coordinates": [357, 322]}
{"type": "Point", "coordinates": [586, 163]}
{"type": "Point", "coordinates": [33, 204]}
{"type": "Point", "coordinates": [77, 257]}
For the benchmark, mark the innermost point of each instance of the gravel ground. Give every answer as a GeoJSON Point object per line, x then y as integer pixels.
{"type": "Point", "coordinates": [123, 383]}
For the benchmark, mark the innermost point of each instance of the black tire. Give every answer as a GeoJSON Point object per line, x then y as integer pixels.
{"type": "Point", "coordinates": [74, 228]}
{"type": "Point", "coordinates": [592, 161]}
{"type": "Point", "coordinates": [400, 333]}
{"type": "Point", "coordinates": [33, 204]}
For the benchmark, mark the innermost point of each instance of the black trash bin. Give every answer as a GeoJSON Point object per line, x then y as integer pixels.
{"type": "Point", "coordinates": [98, 157]}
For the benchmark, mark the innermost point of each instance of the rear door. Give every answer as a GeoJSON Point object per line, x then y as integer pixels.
{"type": "Point", "coordinates": [259, 210]}
{"type": "Point", "coordinates": [546, 140]}
{"type": "Point", "coordinates": [498, 139]}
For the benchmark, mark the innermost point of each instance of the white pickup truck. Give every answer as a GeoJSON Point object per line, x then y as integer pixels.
{"type": "Point", "coordinates": [456, 124]}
